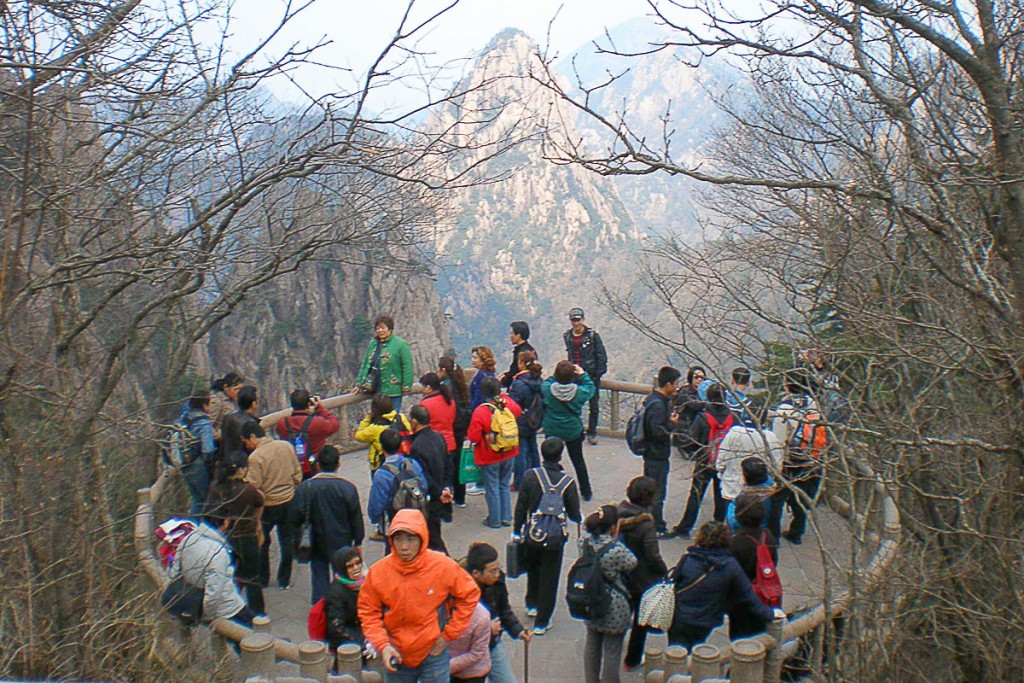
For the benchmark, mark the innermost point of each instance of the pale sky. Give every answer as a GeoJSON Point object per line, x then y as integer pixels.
{"type": "Point", "coordinates": [358, 30]}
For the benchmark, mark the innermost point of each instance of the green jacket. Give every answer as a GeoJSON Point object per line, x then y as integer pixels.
{"type": "Point", "coordinates": [395, 366]}
{"type": "Point", "coordinates": [563, 404]}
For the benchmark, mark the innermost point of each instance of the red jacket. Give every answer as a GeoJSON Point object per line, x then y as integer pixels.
{"type": "Point", "coordinates": [399, 602]}
{"type": "Point", "coordinates": [323, 425]}
{"type": "Point", "coordinates": [442, 418]}
{"type": "Point", "coordinates": [480, 427]}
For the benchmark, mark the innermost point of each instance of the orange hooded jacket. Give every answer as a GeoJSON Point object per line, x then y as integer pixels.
{"type": "Point", "coordinates": [401, 602]}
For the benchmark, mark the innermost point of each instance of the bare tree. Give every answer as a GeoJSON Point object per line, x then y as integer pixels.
{"type": "Point", "coordinates": [867, 199]}
{"type": "Point", "coordinates": [149, 184]}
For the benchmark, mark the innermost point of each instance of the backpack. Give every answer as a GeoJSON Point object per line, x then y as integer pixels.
{"type": "Point", "coordinates": [546, 527]}
{"type": "Point", "coordinates": [410, 494]}
{"type": "Point", "coordinates": [316, 621]}
{"type": "Point", "coordinates": [636, 436]}
{"type": "Point", "coordinates": [533, 416]}
{"type": "Point", "coordinates": [300, 439]}
{"type": "Point", "coordinates": [181, 447]}
{"type": "Point", "coordinates": [398, 425]}
{"type": "Point", "coordinates": [717, 433]}
{"type": "Point", "coordinates": [504, 435]}
{"type": "Point", "coordinates": [810, 438]}
{"type": "Point", "coordinates": [767, 585]}
{"type": "Point", "coordinates": [588, 593]}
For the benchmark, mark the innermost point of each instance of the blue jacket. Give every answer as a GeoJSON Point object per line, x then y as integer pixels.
{"type": "Point", "coordinates": [199, 425]}
{"type": "Point", "coordinates": [522, 391]}
{"type": "Point", "coordinates": [476, 395]}
{"type": "Point", "coordinates": [382, 490]}
{"type": "Point", "coordinates": [726, 585]}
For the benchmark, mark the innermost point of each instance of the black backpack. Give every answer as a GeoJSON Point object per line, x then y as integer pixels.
{"type": "Point", "coordinates": [636, 431]}
{"type": "Point", "coordinates": [545, 528]}
{"type": "Point", "coordinates": [300, 439]}
{"type": "Point", "coordinates": [533, 416]}
{"type": "Point", "coordinates": [588, 593]}
{"type": "Point", "coordinates": [410, 494]}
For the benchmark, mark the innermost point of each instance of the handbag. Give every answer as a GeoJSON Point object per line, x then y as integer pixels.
{"type": "Point", "coordinates": [371, 385]}
{"type": "Point", "coordinates": [469, 473]}
{"type": "Point", "coordinates": [657, 606]}
{"type": "Point", "coordinates": [304, 543]}
{"type": "Point", "coordinates": [515, 559]}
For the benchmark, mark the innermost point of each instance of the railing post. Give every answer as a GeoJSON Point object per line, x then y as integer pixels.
{"type": "Point", "coordinates": [773, 659]}
{"type": "Point", "coordinates": [613, 403]}
{"type": "Point", "coordinates": [705, 663]}
{"type": "Point", "coordinates": [261, 624]}
{"type": "Point", "coordinates": [675, 661]}
{"type": "Point", "coordinates": [654, 660]}
{"type": "Point", "coordinates": [313, 660]}
{"type": "Point", "coordinates": [747, 662]}
{"type": "Point", "coordinates": [257, 654]}
{"type": "Point", "coordinates": [350, 660]}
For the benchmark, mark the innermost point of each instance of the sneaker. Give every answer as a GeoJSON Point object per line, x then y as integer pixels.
{"type": "Point", "coordinates": [531, 611]}
{"type": "Point", "coordinates": [460, 505]}
{"type": "Point", "coordinates": [491, 526]}
{"type": "Point", "coordinates": [541, 630]}
{"type": "Point", "coordinates": [666, 535]}
{"type": "Point", "coordinates": [377, 536]}
{"type": "Point", "coordinates": [508, 523]}
{"type": "Point", "coordinates": [592, 439]}
{"type": "Point", "coordinates": [475, 491]}
{"type": "Point", "coordinates": [283, 588]}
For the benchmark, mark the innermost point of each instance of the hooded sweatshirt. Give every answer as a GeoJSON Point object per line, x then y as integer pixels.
{"type": "Point", "coordinates": [404, 603]}
{"type": "Point", "coordinates": [563, 404]}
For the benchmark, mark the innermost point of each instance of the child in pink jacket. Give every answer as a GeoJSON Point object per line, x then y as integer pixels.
{"type": "Point", "coordinates": [471, 652]}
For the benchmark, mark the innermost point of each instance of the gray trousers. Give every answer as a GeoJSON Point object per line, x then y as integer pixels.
{"type": "Point", "coordinates": [602, 656]}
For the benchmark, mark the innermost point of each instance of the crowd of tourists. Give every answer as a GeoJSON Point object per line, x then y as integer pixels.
{"type": "Point", "coordinates": [431, 618]}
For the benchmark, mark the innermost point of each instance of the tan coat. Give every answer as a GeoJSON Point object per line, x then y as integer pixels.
{"type": "Point", "coordinates": [275, 471]}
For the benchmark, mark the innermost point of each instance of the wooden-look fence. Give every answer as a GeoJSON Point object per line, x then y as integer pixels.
{"type": "Point", "coordinates": [853, 490]}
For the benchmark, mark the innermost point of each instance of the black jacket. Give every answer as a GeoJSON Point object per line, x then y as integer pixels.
{"type": "Point", "coordinates": [495, 599]}
{"type": "Point", "coordinates": [334, 509]}
{"type": "Point", "coordinates": [700, 430]}
{"type": "Point", "coordinates": [658, 428]}
{"type": "Point", "coordinates": [513, 368]}
{"type": "Point", "coordinates": [429, 448]}
{"type": "Point", "coordinates": [725, 586]}
{"type": "Point", "coordinates": [689, 406]}
{"type": "Point", "coordinates": [342, 618]}
{"type": "Point", "coordinates": [531, 490]}
{"type": "Point", "coordinates": [231, 431]}
{"type": "Point", "coordinates": [593, 358]}
{"type": "Point", "coordinates": [637, 532]}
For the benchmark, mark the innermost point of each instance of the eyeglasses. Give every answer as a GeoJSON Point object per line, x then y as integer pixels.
{"type": "Point", "coordinates": [352, 564]}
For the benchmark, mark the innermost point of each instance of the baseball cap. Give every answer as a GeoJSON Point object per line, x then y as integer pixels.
{"type": "Point", "coordinates": [575, 313]}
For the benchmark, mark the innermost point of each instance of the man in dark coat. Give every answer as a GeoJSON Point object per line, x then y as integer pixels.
{"type": "Point", "coordinates": [431, 452]}
{"type": "Point", "coordinates": [519, 333]}
{"type": "Point", "coordinates": [660, 422]}
{"type": "Point", "coordinates": [583, 346]}
{"type": "Point", "coordinates": [331, 503]}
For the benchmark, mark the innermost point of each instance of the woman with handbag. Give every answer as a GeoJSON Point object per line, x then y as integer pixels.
{"type": "Point", "coordinates": [638, 532]}
{"type": "Point", "coordinates": [708, 580]}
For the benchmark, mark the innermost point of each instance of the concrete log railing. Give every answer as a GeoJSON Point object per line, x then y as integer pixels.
{"type": "Point", "coordinates": [755, 660]}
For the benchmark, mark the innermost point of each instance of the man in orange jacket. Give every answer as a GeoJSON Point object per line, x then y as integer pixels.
{"type": "Point", "coordinates": [404, 604]}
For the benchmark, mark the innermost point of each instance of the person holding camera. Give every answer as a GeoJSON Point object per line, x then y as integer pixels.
{"type": "Point", "coordinates": [307, 429]}
{"type": "Point", "coordinates": [387, 365]}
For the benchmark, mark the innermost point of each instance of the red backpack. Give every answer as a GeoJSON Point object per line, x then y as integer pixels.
{"type": "Point", "coordinates": [718, 432]}
{"type": "Point", "coordinates": [767, 585]}
{"type": "Point", "coordinates": [316, 622]}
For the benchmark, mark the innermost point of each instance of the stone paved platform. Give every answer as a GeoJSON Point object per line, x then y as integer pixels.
{"type": "Point", "coordinates": [557, 656]}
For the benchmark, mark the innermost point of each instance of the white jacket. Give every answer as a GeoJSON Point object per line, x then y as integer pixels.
{"type": "Point", "coordinates": [204, 559]}
{"type": "Point", "coordinates": [741, 443]}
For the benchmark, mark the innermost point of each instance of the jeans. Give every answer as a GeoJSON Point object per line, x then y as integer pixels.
{"type": "Point", "coordinates": [396, 403]}
{"type": "Point", "coordinates": [433, 669]}
{"type": "Point", "coordinates": [808, 480]}
{"type": "Point", "coordinates": [277, 516]}
{"type": "Point", "coordinates": [528, 458]}
{"type": "Point", "coordinates": [197, 481]}
{"type": "Point", "coordinates": [247, 571]}
{"type": "Point", "coordinates": [320, 578]}
{"type": "Point", "coordinates": [501, 665]}
{"type": "Point", "coordinates": [602, 655]}
{"type": "Point", "coordinates": [575, 448]}
{"type": "Point", "coordinates": [595, 409]}
{"type": "Point", "coordinates": [543, 567]}
{"type": "Point", "coordinates": [658, 471]}
{"type": "Point", "coordinates": [497, 478]}
{"type": "Point", "coordinates": [703, 474]}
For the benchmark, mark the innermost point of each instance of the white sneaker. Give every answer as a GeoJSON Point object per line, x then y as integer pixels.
{"type": "Point", "coordinates": [531, 611]}
{"type": "Point", "coordinates": [474, 491]}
